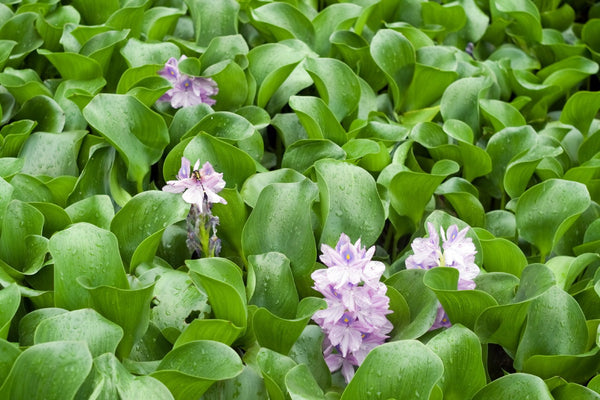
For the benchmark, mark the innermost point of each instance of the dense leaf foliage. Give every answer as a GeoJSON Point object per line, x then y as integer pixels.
{"type": "Point", "coordinates": [366, 117]}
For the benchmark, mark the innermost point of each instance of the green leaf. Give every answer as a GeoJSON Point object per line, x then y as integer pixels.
{"type": "Point", "coordinates": [128, 308]}
{"type": "Point", "coordinates": [308, 350]}
{"type": "Point", "coordinates": [395, 55]}
{"type": "Point", "coordinates": [8, 355]}
{"type": "Point", "coordinates": [555, 326]}
{"type": "Point", "coordinates": [285, 229]}
{"type": "Point", "coordinates": [97, 210]}
{"type": "Point", "coordinates": [52, 154]}
{"type": "Point", "coordinates": [280, 21]}
{"type": "Point", "coordinates": [219, 330]}
{"type": "Point", "coordinates": [21, 29]}
{"type": "Point", "coordinates": [52, 371]}
{"type": "Point", "coordinates": [350, 203]}
{"type": "Point", "coordinates": [139, 54]}
{"type": "Point", "coordinates": [232, 83]}
{"type": "Point", "coordinates": [225, 125]}
{"type": "Point", "coordinates": [22, 225]}
{"type": "Point", "coordinates": [222, 280]}
{"type": "Point", "coordinates": [515, 385]}
{"type": "Point", "coordinates": [302, 154]}
{"type": "Point", "coordinates": [574, 391]}
{"type": "Point", "coordinates": [160, 21]}
{"type": "Point", "coordinates": [96, 13]}
{"type": "Point", "coordinates": [461, 101]}
{"type": "Point", "coordinates": [410, 191]}
{"type": "Point", "coordinates": [45, 111]}
{"type": "Point", "coordinates": [138, 133]}
{"type": "Point", "coordinates": [213, 19]}
{"type": "Point", "coordinates": [501, 114]}
{"type": "Point", "coordinates": [101, 335]}
{"type": "Point", "coordinates": [256, 183]}
{"type": "Point", "coordinates": [318, 119]}
{"type": "Point", "coordinates": [146, 214]}
{"type": "Point", "coordinates": [84, 251]}
{"type": "Point", "coordinates": [190, 369]}
{"type": "Point", "coordinates": [462, 306]}
{"type": "Point", "coordinates": [235, 164]}
{"type": "Point", "coordinates": [463, 197]}
{"type": "Point", "coordinates": [10, 298]}
{"type": "Point", "coordinates": [176, 300]}
{"type": "Point", "coordinates": [110, 378]}
{"type": "Point", "coordinates": [271, 284]}
{"type": "Point", "coordinates": [301, 384]}
{"type": "Point", "coordinates": [421, 301]}
{"type": "Point", "coordinates": [460, 351]}
{"type": "Point", "coordinates": [279, 334]}
{"type": "Point", "coordinates": [411, 371]}
{"type": "Point", "coordinates": [274, 367]}
{"type": "Point", "coordinates": [580, 110]}
{"type": "Point", "coordinates": [547, 210]}
{"type": "Point", "coordinates": [73, 65]}
{"type": "Point", "coordinates": [337, 85]}
{"type": "Point", "coordinates": [331, 19]}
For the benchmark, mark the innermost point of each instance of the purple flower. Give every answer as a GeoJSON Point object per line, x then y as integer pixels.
{"type": "Point", "coordinates": [355, 318]}
{"type": "Point", "coordinates": [457, 251]}
{"type": "Point", "coordinates": [187, 90]}
{"type": "Point", "coordinates": [200, 187]}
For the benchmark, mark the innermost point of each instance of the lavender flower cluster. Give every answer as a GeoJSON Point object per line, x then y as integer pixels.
{"type": "Point", "coordinates": [457, 251]}
{"type": "Point", "coordinates": [355, 320]}
{"type": "Point", "coordinates": [187, 90]}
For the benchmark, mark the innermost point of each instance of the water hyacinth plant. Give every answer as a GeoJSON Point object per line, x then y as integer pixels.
{"type": "Point", "coordinates": [333, 199]}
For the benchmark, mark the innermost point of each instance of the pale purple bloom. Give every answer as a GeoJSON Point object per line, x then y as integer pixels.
{"type": "Point", "coordinates": [199, 187]}
{"type": "Point", "coordinates": [457, 251]}
{"type": "Point", "coordinates": [355, 318]}
{"type": "Point", "coordinates": [187, 90]}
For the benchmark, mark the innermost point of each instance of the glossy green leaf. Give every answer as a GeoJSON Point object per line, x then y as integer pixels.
{"type": "Point", "coordinates": [144, 215]}
{"type": "Point", "coordinates": [462, 306]}
{"type": "Point", "coordinates": [21, 29]}
{"type": "Point", "coordinates": [421, 301]}
{"type": "Point", "coordinates": [279, 334]}
{"type": "Point", "coordinates": [274, 367]}
{"type": "Point", "coordinates": [318, 119]}
{"type": "Point", "coordinates": [461, 101]}
{"type": "Point", "coordinates": [219, 330]}
{"type": "Point", "coordinates": [580, 110]}
{"type": "Point", "coordinates": [21, 227]}
{"type": "Point", "coordinates": [52, 371]}
{"type": "Point", "coordinates": [301, 384]}
{"type": "Point", "coordinates": [308, 350]}
{"type": "Point", "coordinates": [547, 332]}
{"type": "Point", "coordinates": [349, 203]}
{"type": "Point", "coordinates": [395, 55]}
{"type": "Point", "coordinates": [52, 154]}
{"type": "Point", "coordinates": [271, 284]}
{"type": "Point", "coordinates": [514, 385]}
{"type": "Point", "coordinates": [175, 302]}
{"type": "Point", "coordinates": [8, 355]}
{"type": "Point", "coordinates": [222, 281]}
{"type": "Point", "coordinates": [189, 370]}
{"type": "Point", "coordinates": [547, 210]}
{"type": "Point", "coordinates": [10, 299]}
{"type": "Point", "coordinates": [574, 391]}
{"type": "Point", "coordinates": [101, 335]}
{"type": "Point", "coordinates": [97, 210]}
{"type": "Point", "coordinates": [110, 378]}
{"type": "Point", "coordinates": [84, 250]}
{"type": "Point", "coordinates": [139, 143]}
{"type": "Point", "coordinates": [73, 65]}
{"type": "Point", "coordinates": [232, 83]}
{"type": "Point", "coordinates": [140, 54]}
{"type": "Point", "coordinates": [287, 230]}
{"type": "Point", "coordinates": [256, 183]}
{"type": "Point", "coordinates": [282, 21]}
{"type": "Point", "coordinates": [410, 191]}
{"type": "Point", "coordinates": [460, 351]}
{"type": "Point", "coordinates": [337, 85]}
{"type": "Point", "coordinates": [128, 308]}
{"type": "Point", "coordinates": [213, 19]}
{"type": "Point", "coordinates": [98, 12]}
{"type": "Point", "coordinates": [303, 153]}
{"type": "Point", "coordinates": [412, 371]}
{"type": "Point", "coordinates": [331, 19]}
